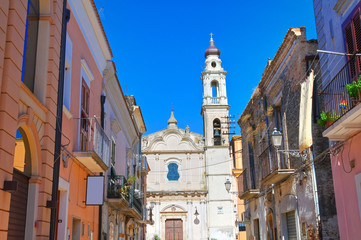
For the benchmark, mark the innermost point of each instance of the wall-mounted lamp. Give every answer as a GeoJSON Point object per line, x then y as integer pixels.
{"type": "Point", "coordinates": [276, 138]}
{"type": "Point", "coordinates": [196, 221]}
{"type": "Point", "coordinates": [228, 185]}
{"type": "Point", "coordinates": [152, 203]}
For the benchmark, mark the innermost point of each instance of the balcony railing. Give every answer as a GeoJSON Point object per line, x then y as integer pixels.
{"type": "Point", "coordinates": [244, 191]}
{"type": "Point", "coordinates": [93, 146]}
{"type": "Point", "coordinates": [116, 187]}
{"type": "Point", "coordinates": [334, 97]}
{"type": "Point", "coordinates": [136, 202]}
{"type": "Point", "coordinates": [215, 100]}
{"type": "Point", "coordinates": [274, 167]}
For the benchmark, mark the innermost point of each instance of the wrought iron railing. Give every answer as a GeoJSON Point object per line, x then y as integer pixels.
{"type": "Point", "coordinates": [271, 162]}
{"type": "Point", "coordinates": [242, 182]}
{"type": "Point", "coordinates": [92, 138]}
{"type": "Point", "coordinates": [334, 98]}
{"type": "Point", "coordinates": [117, 187]}
{"type": "Point", "coordinates": [136, 202]}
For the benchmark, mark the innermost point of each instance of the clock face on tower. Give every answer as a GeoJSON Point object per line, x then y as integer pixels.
{"type": "Point", "coordinates": [214, 64]}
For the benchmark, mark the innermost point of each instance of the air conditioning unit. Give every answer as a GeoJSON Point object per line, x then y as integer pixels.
{"type": "Point", "coordinates": [245, 218]}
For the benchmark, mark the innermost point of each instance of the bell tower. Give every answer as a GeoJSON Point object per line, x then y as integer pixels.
{"type": "Point", "coordinates": [215, 104]}
{"type": "Point", "coordinates": [220, 207]}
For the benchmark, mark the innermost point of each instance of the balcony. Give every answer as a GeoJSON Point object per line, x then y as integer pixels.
{"type": "Point", "coordinates": [117, 194]}
{"type": "Point", "coordinates": [275, 167]}
{"type": "Point", "coordinates": [93, 148]}
{"type": "Point", "coordinates": [244, 192]}
{"type": "Point", "coordinates": [335, 100]}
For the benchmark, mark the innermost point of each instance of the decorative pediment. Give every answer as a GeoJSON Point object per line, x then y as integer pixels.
{"type": "Point", "coordinates": [172, 140]}
{"type": "Point", "coordinates": [173, 208]}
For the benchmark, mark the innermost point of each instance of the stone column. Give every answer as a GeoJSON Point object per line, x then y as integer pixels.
{"type": "Point", "coordinates": [203, 219]}
{"type": "Point", "coordinates": [189, 220]}
{"type": "Point", "coordinates": [157, 219]}
{"type": "Point", "coordinates": [31, 211]}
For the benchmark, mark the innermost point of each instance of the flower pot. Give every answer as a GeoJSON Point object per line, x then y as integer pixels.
{"type": "Point", "coordinates": [329, 123]}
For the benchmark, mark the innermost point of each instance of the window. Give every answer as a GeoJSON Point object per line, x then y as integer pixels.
{"type": "Point", "coordinates": [214, 85]}
{"type": "Point", "coordinates": [67, 72]}
{"type": "Point", "coordinates": [173, 174]}
{"type": "Point", "coordinates": [30, 44]}
{"type": "Point", "coordinates": [256, 229]}
{"type": "Point", "coordinates": [241, 227]}
{"type": "Point", "coordinates": [291, 225]}
{"type": "Point", "coordinates": [112, 160]}
{"type": "Point", "coordinates": [217, 136]}
{"type": "Point", "coordinates": [84, 116]}
{"type": "Point", "coordinates": [352, 32]}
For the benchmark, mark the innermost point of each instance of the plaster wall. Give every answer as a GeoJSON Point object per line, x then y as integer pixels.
{"type": "Point", "coordinates": [347, 198]}
{"type": "Point", "coordinates": [330, 33]}
{"type": "Point", "coordinates": [33, 112]}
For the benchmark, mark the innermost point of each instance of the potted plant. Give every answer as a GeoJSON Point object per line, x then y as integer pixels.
{"type": "Point", "coordinates": [326, 118]}
{"type": "Point", "coordinates": [354, 90]}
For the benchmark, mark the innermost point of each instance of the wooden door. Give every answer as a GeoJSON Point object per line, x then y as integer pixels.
{"type": "Point", "coordinates": [18, 206]}
{"type": "Point", "coordinates": [173, 229]}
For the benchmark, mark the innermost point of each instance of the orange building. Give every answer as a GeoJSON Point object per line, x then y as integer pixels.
{"type": "Point", "coordinates": [29, 69]}
{"type": "Point", "coordinates": [236, 147]}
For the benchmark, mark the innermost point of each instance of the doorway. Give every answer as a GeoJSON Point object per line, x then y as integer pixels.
{"type": "Point", "coordinates": [174, 229]}
{"type": "Point", "coordinates": [75, 229]}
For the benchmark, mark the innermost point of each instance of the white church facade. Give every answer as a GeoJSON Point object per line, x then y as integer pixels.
{"type": "Point", "coordinates": [188, 170]}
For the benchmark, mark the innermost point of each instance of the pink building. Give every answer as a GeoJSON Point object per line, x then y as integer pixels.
{"type": "Point", "coordinates": [85, 145]}
{"type": "Point", "coordinates": [338, 29]}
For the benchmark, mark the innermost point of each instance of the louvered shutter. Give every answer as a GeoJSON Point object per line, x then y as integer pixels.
{"type": "Point", "coordinates": [291, 226]}
{"type": "Point", "coordinates": [357, 38]}
{"type": "Point", "coordinates": [350, 49]}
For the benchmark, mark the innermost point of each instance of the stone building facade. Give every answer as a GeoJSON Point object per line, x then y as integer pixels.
{"type": "Point", "coordinates": [189, 170]}
{"type": "Point", "coordinates": [285, 196]}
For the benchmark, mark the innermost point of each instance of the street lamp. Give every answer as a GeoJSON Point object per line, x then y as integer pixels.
{"type": "Point", "coordinates": [228, 185]}
{"type": "Point", "coordinates": [276, 138]}
{"type": "Point", "coordinates": [152, 203]}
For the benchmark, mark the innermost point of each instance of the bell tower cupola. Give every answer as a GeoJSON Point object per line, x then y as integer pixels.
{"type": "Point", "coordinates": [214, 77]}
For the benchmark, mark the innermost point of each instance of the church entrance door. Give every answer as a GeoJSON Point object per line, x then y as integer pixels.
{"type": "Point", "coordinates": [174, 229]}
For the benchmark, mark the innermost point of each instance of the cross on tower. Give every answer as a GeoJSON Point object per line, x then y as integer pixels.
{"type": "Point", "coordinates": [211, 36]}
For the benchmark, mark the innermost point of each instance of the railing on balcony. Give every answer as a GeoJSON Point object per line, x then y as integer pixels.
{"type": "Point", "coordinates": [268, 160]}
{"type": "Point", "coordinates": [334, 97]}
{"type": "Point", "coordinates": [92, 139]}
{"type": "Point", "coordinates": [215, 100]}
{"type": "Point", "coordinates": [244, 190]}
{"type": "Point", "coordinates": [275, 167]}
{"type": "Point", "coordinates": [116, 187]}
{"type": "Point", "coordinates": [242, 182]}
{"type": "Point", "coordinates": [136, 202]}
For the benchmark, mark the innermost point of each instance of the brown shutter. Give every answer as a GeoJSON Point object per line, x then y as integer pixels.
{"type": "Point", "coordinates": [350, 49]}
{"type": "Point", "coordinates": [357, 38]}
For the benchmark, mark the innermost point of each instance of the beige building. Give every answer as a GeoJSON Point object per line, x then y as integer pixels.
{"type": "Point", "coordinates": [176, 182]}
{"type": "Point", "coordinates": [189, 170]}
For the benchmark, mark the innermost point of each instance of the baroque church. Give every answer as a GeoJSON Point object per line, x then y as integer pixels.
{"type": "Point", "coordinates": [186, 184]}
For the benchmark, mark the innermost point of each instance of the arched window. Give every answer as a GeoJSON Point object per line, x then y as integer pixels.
{"type": "Point", "coordinates": [173, 174]}
{"type": "Point", "coordinates": [214, 86]}
{"type": "Point", "coordinates": [217, 134]}
{"type": "Point", "coordinates": [30, 44]}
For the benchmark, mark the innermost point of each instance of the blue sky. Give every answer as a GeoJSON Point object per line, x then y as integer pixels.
{"type": "Point", "coordinates": [159, 46]}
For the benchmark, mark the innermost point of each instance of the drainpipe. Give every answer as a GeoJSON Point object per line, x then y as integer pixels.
{"type": "Point", "coordinates": [100, 224]}
{"type": "Point", "coordinates": [58, 129]}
